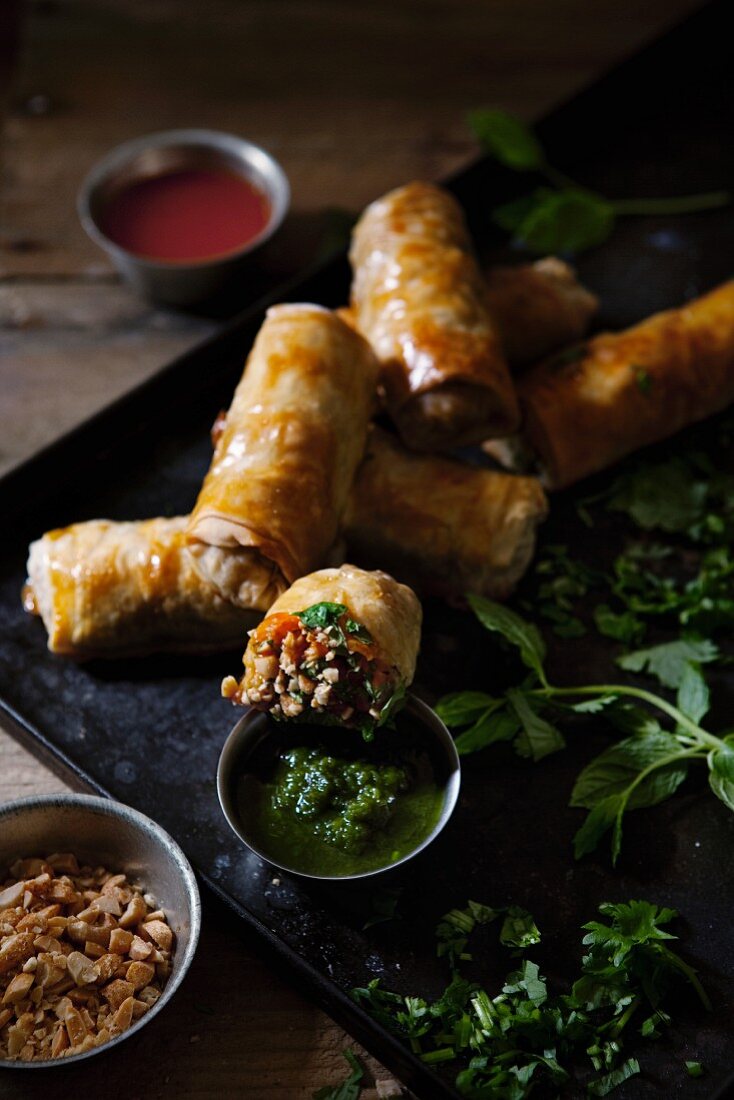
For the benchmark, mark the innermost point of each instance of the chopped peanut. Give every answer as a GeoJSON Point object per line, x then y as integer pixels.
{"type": "Point", "coordinates": [160, 932]}
{"type": "Point", "coordinates": [20, 985]}
{"type": "Point", "coordinates": [83, 954]}
{"type": "Point", "coordinates": [123, 1017]}
{"type": "Point", "coordinates": [121, 941]}
{"type": "Point", "coordinates": [117, 992]}
{"type": "Point", "coordinates": [140, 974]}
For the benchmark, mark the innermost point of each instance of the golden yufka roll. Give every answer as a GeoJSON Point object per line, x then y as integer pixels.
{"type": "Point", "coordinates": [283, 464]}
{"type": "Point", "coordinates": [419, 298]}
{"type": "Point", "coordinates": [338, 648]}
{"type": "Point", "coordinates": [537, 308]}
{"type": "Point", "coordinates": [441, 525]}
{"type": "Point", "coordinates": [106, 589]}
{"type": "Point", "coordinates": [586, 409]}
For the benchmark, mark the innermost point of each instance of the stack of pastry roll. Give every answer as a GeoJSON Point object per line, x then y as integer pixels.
{"type": "Point", "coordinates": [295, 474]}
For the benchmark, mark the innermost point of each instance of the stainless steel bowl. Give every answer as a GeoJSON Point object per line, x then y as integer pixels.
{"type": "Point", "coordinates": [254, 727]}
{"type": "Point", "coordinates": [180, 283]}
{"type": "Point", "coordinates": [101, 832]}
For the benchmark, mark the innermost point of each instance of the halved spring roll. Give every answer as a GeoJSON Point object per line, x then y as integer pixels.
{"type": "Point", "coordinates": [587, 408]}
{"type": "Point", "coordinates": [281, 471]}
{"type": "Point", "coordinates": [418, 297]}
{"type": "Point", "coordinates": [443, 526]}
{"type": "Point", "coordinates": [106, 589]}
{"type": "Point", "coordinates": [338, 648]}
{"type": "Point", "coordinates": [537, 308]}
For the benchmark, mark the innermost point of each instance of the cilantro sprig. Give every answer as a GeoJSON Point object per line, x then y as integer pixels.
{"type": "Point", "coordinates": [643, 769]}
{"type": "Point", "coordinates": [523, 1033]}
{"type": "Point", "coordinates": [563, 215]}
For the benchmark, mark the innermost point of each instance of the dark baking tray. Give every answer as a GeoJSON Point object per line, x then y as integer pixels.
{"type": "Point", "coordinates": [149, 732]}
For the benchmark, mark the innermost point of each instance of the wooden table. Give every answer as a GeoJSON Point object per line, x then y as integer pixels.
{"type": "Point", "coordinates": [352, 99]}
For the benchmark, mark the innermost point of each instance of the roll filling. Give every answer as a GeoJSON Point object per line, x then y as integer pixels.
{"type": "Point", "coordinates": [327, 663]}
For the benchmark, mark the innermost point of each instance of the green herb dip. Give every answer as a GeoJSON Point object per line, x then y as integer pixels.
{"type": "Point", "coordinates": [327, 811]}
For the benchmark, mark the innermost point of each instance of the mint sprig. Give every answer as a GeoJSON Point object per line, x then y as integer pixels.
{"type": "Point", "coordinates": [565, 216]}
{"type": "Point", "coordinates": [643, 769]}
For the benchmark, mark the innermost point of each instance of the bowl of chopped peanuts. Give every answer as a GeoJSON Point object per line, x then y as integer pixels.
{"type": "Point", "coordinates": [99, 922]}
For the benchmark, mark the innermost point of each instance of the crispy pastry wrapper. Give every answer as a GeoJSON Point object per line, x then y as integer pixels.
{"type": "Point", "coordinates": [442, 526]}
{"type": "Point", "coordinates": [389, 611]}
{"type": "Point", "coordinates": [106, 589]}
{"type": "Point", "coordinates": [418, 297]}
{"type": "Point", "coordinates": [282, 467]}
{"type": "Point", "coordinates": [537, 308]}
{"type": "Point", "coordinates": [586, 409]}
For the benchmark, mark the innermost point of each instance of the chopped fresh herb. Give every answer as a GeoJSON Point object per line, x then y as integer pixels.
{"type": "Point", "coordinates": [559, 582]}
{"type": "Point", "coordinates": [322, 614]}
{"type": "Point", "coordinates": [563, 217]}
{"type": "Point", "coordinates": [694, 1069]}
{"type": "Point", "coordinates": [350, 1088]}
{"type": "Point", "coordinates": [526, 1034]}
{"type": "Point", "coordinates": [383, 905]}
{"type": "Point", "coordinates": [519, 928]}
{"type": "Point", "coordinates": [643, 380]}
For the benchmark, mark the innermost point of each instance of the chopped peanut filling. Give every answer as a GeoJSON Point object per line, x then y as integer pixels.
{"type": "Point", "coordinates": [83, 953]}
{"type": "Point", "coordinates": [328, 671]}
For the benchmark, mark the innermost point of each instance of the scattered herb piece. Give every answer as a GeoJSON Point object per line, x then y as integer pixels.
{"type": "Point", "coordinates": [383, 904]}
{"type": "Point", "coordinates": [527, 1034]}
{"type": "Point", "coordinates": [564, 217]}
{"type": "Point", "coordinates": [350, 1088]}
{"type": "Point", "coordinates": [694, 1069]}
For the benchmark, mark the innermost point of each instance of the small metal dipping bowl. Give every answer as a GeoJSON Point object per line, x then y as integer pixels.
{"type": "Point", "coordinates": [105, 833]}
{"type": "Point", "coordinates": [255, 727]}
{"type": "Point", "coordinates": [180, 283]}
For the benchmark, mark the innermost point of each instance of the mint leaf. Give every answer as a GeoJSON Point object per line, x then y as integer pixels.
{"type": "Point", "coordinates": [507, 139]}
{"type": "Point", "coordinates": [570, 220]}
{"type": "Point", "coordinates": [693, 693]}
{"type": "Point", "coordinates": [668, 661]}
{"type": "Point", "coordinates": [462, 707]}
{"type": "Point", "coordinates": [498, 725]}
{"type": "Point", "coordinates": [597, 823]}
{"type": "Point", "coordinates": [538, 737]}
{"type": "Point", "coordinates": [613, 771]}
{"type": "Point", "coordinates": [516, 630]}
{"type": "Point", "coordinates": [721, 774]}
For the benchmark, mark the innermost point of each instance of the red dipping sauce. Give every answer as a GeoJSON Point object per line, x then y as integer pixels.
{"type": "Point", "coordinates": [186, 215]}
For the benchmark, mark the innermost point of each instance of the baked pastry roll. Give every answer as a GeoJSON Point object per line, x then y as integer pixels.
{"type": "Point", "coordinates": [286, 457]}
{"type": "Point", "coordinates": [443, 526]}
{"type": "Point", "coordinates": [106, 589]}
{"type": "Point", "coordinates": [418, 297]}
{"type": "Point", "coordinates": [587, 408]}
{"type": "Point", "coordinates": [537, 308]}
{"type": "Point", "coordinates": [338, 648]}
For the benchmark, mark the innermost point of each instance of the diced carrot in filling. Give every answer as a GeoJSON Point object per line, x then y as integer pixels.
{"type": "Point", "coordinates": [317, 666]}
